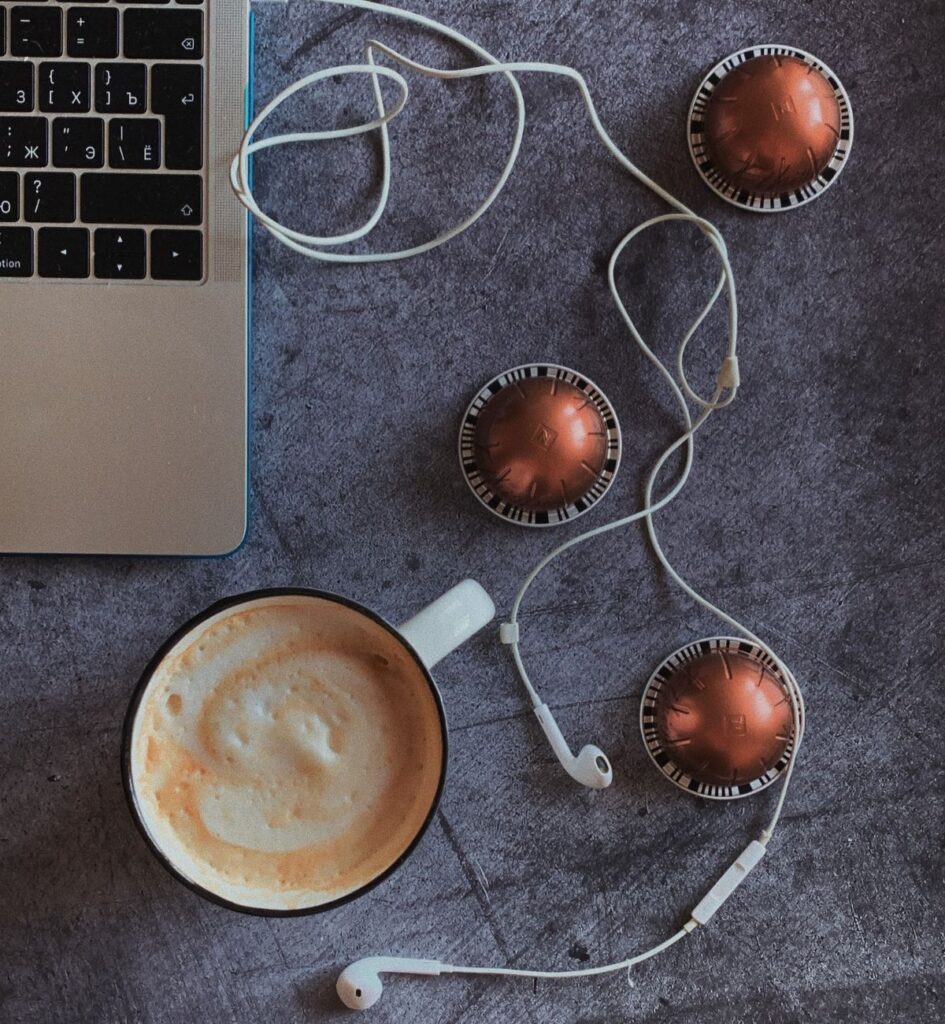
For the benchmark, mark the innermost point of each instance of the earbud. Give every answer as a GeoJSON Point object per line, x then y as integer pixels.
{"type": "Point", "coordinates": [359, 985]}
{"type": "Point", "coordinates": [591, 767]}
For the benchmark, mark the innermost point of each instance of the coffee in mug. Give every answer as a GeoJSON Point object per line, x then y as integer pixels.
{"type": "Point", "coordinates": [287, 750]}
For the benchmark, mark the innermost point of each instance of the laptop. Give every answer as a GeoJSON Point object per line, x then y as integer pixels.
{"type": "Point", "coordinates": [123, 277]}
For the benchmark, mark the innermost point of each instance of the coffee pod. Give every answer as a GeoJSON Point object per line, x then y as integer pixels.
{"type": "Point", "coordinates": [770, 128]}
{"type": "Point", "coordinates": [717, 720]}
{"type": "Point", "coordinates": [540, 445]}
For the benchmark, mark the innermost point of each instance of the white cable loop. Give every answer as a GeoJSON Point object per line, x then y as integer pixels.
{"type": "Point", "coordinates": [318, 247]}
{"type": "Point", "coordinates": [239, 168]}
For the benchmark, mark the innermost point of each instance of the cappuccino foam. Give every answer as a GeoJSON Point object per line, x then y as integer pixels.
{"type": "Point", "coordinates": [286, 752]}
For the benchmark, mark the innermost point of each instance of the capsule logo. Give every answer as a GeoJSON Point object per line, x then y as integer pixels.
{"type": "Point", "coordinates": [545, 437]}
{"type": "Point", "coordinates": [735, 725]}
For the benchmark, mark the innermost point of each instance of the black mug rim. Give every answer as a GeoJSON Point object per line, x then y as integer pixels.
{"type": "Point", "coordinates": [131, 715]}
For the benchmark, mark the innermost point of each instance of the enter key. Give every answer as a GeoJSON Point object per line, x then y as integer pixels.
{"type": "Point", "coordinates": [177, 93]}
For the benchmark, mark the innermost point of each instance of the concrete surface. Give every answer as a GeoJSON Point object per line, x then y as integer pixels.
{"type": "Point", "coordinates": [815, 512]}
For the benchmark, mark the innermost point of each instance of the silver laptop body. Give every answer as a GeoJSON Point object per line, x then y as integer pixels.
{"type": "Point", "coordinates": [123, 366]}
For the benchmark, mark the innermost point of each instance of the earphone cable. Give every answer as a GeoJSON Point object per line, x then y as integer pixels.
{"type": "Point", "coordinates": [319, 247]}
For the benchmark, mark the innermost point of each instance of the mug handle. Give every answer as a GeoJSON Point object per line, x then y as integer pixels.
{"type": "Point", "coordinates": [449, 621]}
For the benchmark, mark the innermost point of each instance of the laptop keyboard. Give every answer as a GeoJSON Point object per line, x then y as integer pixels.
{"type": "Point", "coordinates": [102, 128]}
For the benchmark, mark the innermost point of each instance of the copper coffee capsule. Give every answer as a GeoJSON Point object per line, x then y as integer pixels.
{"type": "Point", "coordinates": [540, 445]}
{"type": "Point", "coordinates": [717, 718]}
{"type": "Point", "coordinates": [770, 128]}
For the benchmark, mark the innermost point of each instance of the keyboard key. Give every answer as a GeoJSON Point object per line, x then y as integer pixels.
{"type": "Point", "coordinates": [176, 255]}
{"type": "Point", "coordinates": [177, 93]}
{"type": "Point", "coordinates": [141, 199]}
{"type": "Point", "coordinates": [23, 141]}
{"type": "Point", "coordinates": [121, 88]}
{"type": "Point", "coordinates": [16, 252]}
{"type": "Point", "coordinates": [92, 32]}
{"type": "Point", "coordinates": [122, 241]}
{"type": "Point", "coordinates": [163, 35]}
{"type": "Point", "coordinates": [9, 195]}
{"type": "Point", "coordinates": [78, 142]}
{"type": "Point", "coordinates": [119, 253]}
{"type": "Point", "coordinates": [65, 87]}
{"type": "Point", "coordinates": [63, 252]}
{"type": "Point", "coordinates": [3, 30]}
{"type": "Point", "coordinates": [16, 85]}
{"type": "Point", "coordinates": [134, 142]}
{"type": "Point", "coordinates": [49, 197]}
{"type": "Point", "coordinates": [148, 1]}
{"type": "Point", "coordinates": [36, 31]}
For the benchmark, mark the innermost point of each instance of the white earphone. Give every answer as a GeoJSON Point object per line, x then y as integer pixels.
{"type": "Point", "coordinates": [359, 986]}
{"type": "Point", "coordinates": [591, 767]}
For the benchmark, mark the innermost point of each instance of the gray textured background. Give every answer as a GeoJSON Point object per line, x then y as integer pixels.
{"type": "Point", "coordinates": [815, 512]}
